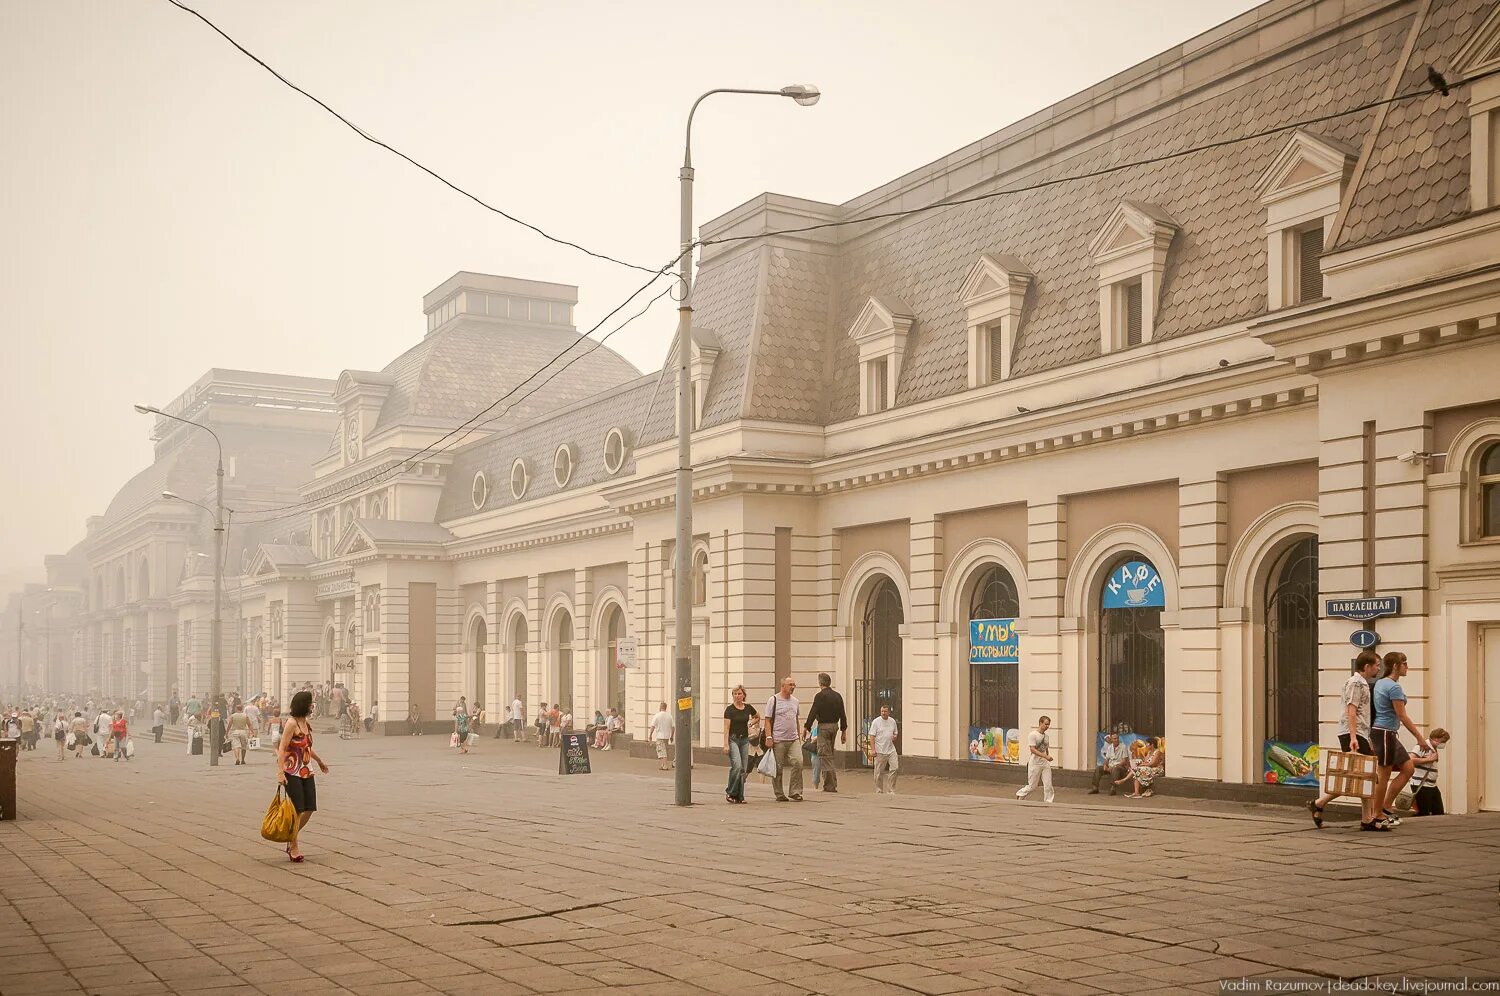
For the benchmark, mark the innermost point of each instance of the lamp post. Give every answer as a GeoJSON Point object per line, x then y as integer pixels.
{"type": "Point", "coordinates": [214, 675]}
{"type": "Point", "coordinates": [805, 94]}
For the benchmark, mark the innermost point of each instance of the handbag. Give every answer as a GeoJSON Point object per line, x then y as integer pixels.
{"type": "Point", "coordinates": [281, 816]}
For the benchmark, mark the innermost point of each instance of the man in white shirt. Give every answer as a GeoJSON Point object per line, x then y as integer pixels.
{"type": "Point", "coordinates": [518, 720]}
{"type": "Point", "coordinates": [1039, 763]}
{"type": "Point", "coordinates": [883, 734]}
{"type": "Point", "coordinates": [1114, 762]}
{"type": "Point", "coordinates": [101, 731]}
{"type": "Point", "coordinates": [662, 729]}
{"type": "Point", "coordinates": [784, 737]}
{"type": "Point", "coordinates": [252, 713]}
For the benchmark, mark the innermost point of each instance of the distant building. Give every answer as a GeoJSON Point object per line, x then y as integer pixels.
{"type": "Point", "coordinates": [1157, 417]}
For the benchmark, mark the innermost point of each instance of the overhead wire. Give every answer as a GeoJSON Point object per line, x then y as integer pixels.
{"type": "Point", "coordinates": [1440, 86]}
{"type": "Point", "coordinates": [456, 436]}
{"type": "Point", "coordinates": [402, 155]}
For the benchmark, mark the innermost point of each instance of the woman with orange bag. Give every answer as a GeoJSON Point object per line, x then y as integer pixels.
{"type": "Point", "coordinates": [294, 752]}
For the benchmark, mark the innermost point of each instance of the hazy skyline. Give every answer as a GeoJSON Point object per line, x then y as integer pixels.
{"type": "Point", "coordinates": [170, 207]}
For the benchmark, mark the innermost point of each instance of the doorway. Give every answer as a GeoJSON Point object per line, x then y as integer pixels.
{"type": "Point", "coordinates": [1489, 719]}
{"type": "Point", "coordinates": [879, 683]}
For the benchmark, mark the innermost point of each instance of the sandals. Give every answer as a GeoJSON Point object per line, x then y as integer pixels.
{"type": "Point", "coordinates": [294, 858]}
{"type": "Point", "coordinates": [1375, 825]}
{"type": "Point", "coordinates": [1317, 813]}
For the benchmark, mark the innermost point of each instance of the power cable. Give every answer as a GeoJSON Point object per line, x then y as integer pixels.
{"type": "Point", "coordinates": [1440, 86]}
{"type": "Point", "coordinates": [462, 431]}
{"type": "Point", "coordinates": [401, 155]}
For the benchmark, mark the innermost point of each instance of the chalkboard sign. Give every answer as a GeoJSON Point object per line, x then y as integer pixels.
{"type": "Point", "coordinates": [573, 758]}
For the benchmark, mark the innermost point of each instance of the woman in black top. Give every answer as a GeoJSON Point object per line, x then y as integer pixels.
{"type": "Point", "coordinates": [737, 720]}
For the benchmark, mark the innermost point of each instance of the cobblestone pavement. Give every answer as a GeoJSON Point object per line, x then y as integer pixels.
{"type": "Point", "coordinates": [428, 871]}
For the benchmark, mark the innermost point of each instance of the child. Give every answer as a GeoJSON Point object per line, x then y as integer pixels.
{"type": "Point", "coordinates": [1426, 797]}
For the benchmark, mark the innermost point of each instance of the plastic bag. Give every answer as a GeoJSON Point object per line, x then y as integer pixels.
{"type": "Point", "coordinates": [72, 739]}
{"type": "Point", "coordinates": [130, 747]}
{"type": "Point", "coordinates": [767, 765]}
{"type": "Point", "coordinates": [253, 743]}
{"type": "Point", "coordinates": [281, 816]}
{"type": "Point", "coordinates": [453, 740]}
{"type": "Point", "coordinates": [473, 739]}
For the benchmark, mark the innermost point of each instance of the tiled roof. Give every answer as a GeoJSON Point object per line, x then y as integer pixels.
{"type": "Point", "coordinates": [289, 555]}
{"type": "Point", "coordinates": [1417, 173]}
{"type": "Point", "coordinates": [584, 426]}
{"type": "Point", "coordinates": [789, 380]}
{"type": "Point", "coordinates": [725, 296]}
{"type": "Point", "coordinates": [456, 371]}
{"type": "Point", "coordinates": [1216, 269]}
{"type": "Point", "coordinates": [399, 531]}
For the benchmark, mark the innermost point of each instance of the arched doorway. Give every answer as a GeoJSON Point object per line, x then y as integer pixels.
{"type": "Point", "coordinates": [518, 658]}
{"type": "Point", "coordinates": [330, 642]}
{"type": "Point", "coordinates": [562, 644]}
{"type": "Point", "coordinates": [1132, 648]}
{"type": "Point", "coordinates": [994, 687]}
{"type": "Point", "coordinates": [478, 637]}
{"type": "Point", "coordinates": [614, 683]}
{"type": "Point", "coordinates": [879, 682]}
{"type": "Point", "coordinates": [1291, 645]}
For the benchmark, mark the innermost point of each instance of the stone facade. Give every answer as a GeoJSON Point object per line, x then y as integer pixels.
{"type": "Point", "coordinates": [1260, 376]}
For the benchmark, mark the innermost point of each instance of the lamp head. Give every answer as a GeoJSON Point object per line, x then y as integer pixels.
{"type": "Point", "coordinates": [170, 494]}
{"type": "Point", "coordinates": [803, 93]}
{"type": "Point", "coordinates": [146, 410]}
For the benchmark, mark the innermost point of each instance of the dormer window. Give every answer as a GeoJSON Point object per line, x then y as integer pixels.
{"type": "Point", "coordinates": [1479, 62]}
{"type": "Point", "coordinates": [1300, 190]}
{"type": "Point", "coordinates": [880, 333]}
{"type": "Point", "coordinates": [993, 294]}
{"type": "Point", "coordinates": [701, 369]}
{"type": "Point", "coordinates": [562, 465]}
{"type": "Point", "coordinates": [1131, 254]}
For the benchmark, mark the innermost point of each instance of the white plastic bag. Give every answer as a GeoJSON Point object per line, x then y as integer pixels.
{"type": "Point", "coordinates": [130, 747]}
{"type": "Point", "coordinates": [767, 765]}
{"type": "Point", "coordinates": [253, 743]}
{"type": "Point", "coordinates": [473, 740]}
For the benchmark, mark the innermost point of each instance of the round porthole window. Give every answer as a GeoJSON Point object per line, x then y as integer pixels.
{"type": "Point", "coordinates": [562, 465]}
{"type": "Point", "coordinates": [615, 450]}
{"type": "Point", "coordinates": [480, 490]}
{"type": "Point", "coordinates": [520, 479]}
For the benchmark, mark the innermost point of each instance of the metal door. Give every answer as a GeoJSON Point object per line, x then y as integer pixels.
{"type": "Point", "coordinates": [1291, 651]}
{"type": "Point", "coordinates": [994, 689]}
{"type": "Point", "coordinates": [880, 683]}
{"type": "Point", "coordinates": [1132, 668]}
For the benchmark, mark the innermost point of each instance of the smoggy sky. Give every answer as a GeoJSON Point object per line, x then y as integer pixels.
{"type": "Point", "coordinates": [167, 206]}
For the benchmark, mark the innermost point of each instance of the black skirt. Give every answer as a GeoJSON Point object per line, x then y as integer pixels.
{"type": "Point", "coordinates": [303, 792]}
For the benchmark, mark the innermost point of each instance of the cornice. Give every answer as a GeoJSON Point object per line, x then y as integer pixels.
{"type": "Point", "coordinates": [490, 547]}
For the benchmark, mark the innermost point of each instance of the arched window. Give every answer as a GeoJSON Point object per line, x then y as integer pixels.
{"type": "Point", "coordinates": [143, 581]}
{"type": "Point", "coordinates": [1132, 648]}
{"type": "Point", "coordinates": [562, 643]}
{"type": "Point", "coordinates": [1291, 652]}
{"type": "Point", "coordinates": [518, 657]}
{"type": "Point", "coordinates": [372, 610]}
{"type": "Point", "coordinates": [880, 665]}
{"type": "Point", "coordinates": [700, 577]}
{"type": "Point", "coordinates": [478, 636]}
{"type": "Point", "coordinates": [614, 631]}
{"type": "Point", "coordinates": [1487, 487]}
{"type": "Point", "coordinates": [994, 688]}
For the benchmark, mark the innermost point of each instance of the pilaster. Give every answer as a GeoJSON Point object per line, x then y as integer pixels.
{"type": "Point", "coordinates": [1194, 683]}
{"type": "Point", "coordinates": [1050, 678]}
{"type": "Point", "coordinates": [919, 692]}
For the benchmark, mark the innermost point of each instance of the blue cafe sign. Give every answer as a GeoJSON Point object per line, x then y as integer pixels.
{"type": "Point", "coordinates": [994, 641]}
{"type": "Point", "coordinates": [1135, 585]}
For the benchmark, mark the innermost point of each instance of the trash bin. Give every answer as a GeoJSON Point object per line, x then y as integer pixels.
{"type": "Point", "coordinates": [8, 749]}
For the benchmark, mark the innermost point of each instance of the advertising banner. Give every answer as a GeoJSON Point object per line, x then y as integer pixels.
{"type": "Point", "coordinates": [994, 641]}
{"type": "Point", "coordinates": [1285, 763]}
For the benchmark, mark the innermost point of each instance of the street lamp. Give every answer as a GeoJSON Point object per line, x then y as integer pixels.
{"type": "Point", "coordinates": [214, 676]}
{"type": "Point", "coordinates": [805, 94]}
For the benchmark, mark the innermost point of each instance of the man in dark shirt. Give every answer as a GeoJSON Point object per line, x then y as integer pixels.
{"type": "Point", "coordinates": [828, 712]}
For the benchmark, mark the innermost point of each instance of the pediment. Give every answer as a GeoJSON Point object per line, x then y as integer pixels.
{"type": "Point", "coordinates": [705, 344]}
{"type": "Point", "coordinates": [1481, 52]}
{"type": "Point", "coordinates": [1304, 162]}
{"type": "Point", "coordinates": [882, 315]}
{"type": "Point", "coordinates": [1131, 227]}
{"type": "Point", "coordinates": [354, 540]}
{"type": "Point", "coordinates": [261, 566]}
{"type": "Point", "coordinates": [994, 274]}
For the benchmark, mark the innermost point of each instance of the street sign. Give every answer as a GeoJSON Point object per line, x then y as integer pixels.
{"type": "Point", "coordinates": [1364, 639]}
{"type": "Point", "coordinates": [344, 662]}
{"type": "Point", "coordinates": [626, 652]}
{"type": "Point", "coordinates": [1363, 609]}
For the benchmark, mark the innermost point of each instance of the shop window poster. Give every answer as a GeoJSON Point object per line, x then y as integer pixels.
{"type": "Point", "coordinates": [994, 745]}
{"type": "Point", "coordinates": [1285, 763]}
